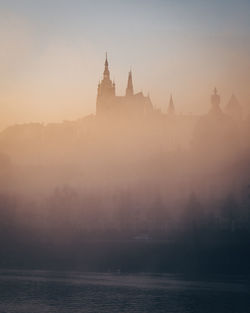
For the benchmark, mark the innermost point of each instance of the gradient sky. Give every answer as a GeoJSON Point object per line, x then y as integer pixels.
{"type": "Point", "coordinates": [52, 54]}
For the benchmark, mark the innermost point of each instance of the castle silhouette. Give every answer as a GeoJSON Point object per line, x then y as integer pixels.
{"type": "Point", "coordinates": [130, 105]}
{"type": "Point", "coordinates": [136, 105]}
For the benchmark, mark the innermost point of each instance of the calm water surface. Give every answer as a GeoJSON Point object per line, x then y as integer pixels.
{"type": "Point", "coordinates": [68, 292]}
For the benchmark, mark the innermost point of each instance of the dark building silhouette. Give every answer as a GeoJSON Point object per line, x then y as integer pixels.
{"type": "Point", "coordinates": [216, 134]}
{"type": "Point", "coordinates": [130, 105]}
{"type": "Point", "coordinates": [215, 101]}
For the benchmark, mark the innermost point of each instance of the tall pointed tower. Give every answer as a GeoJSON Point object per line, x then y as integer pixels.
{"type": "Point", "coordinates": [171, 108]}
{"type": "Point", "coordinates": [105, 91]}
{"type": "Point", "coordinates": [130, 88]}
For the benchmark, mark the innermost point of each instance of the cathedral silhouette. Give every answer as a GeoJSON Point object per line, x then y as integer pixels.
{"type": "Point", "coordinates": [136, 105]}
{"type": "Point", "coordinates": [130, 105]}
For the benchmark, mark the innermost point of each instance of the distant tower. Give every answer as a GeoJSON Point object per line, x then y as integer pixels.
{"type": "Point", "coordinates": [233, 108]}
{"type": "Point", "coordinates": [215, 101]}
{"type": "Point", "coordinates": [105, 91]}
{"type": "Point", "coordinates": [171, 108]}
{"type": "Point", "coordinates": [130, 88]}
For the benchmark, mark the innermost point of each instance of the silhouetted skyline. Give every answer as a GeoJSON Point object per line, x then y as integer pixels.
{"type": "Point", "coordinates": [52, 53]}
{"type": "Point", "coordinates": [124, 156]}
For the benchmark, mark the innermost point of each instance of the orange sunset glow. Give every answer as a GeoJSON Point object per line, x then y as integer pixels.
{"type": "Point", "coordinates": [124, 156]}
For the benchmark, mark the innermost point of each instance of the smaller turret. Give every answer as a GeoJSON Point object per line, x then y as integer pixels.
{"type": "Point", "coordinates": [233, 108]}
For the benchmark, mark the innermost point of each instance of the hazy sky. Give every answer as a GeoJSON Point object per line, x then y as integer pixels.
{"type": "Point", "coordinates": [52, 53]}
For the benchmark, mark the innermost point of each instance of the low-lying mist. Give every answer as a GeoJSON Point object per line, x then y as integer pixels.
{"type": "Point", "coordinates": [154, 177]}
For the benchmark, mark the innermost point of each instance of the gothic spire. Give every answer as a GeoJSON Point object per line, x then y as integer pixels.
{"type": "Point", "coordinates": [171, 108]}
{"type": "Point", "coordinates": [106, 60]}
{"type": "Point", "coordinates": [130, 88]}
{"type": "Point", "coordinates": [106, 68]}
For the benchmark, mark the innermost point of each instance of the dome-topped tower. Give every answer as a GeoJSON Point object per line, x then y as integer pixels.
{"type": "Point", "coordinates": [215, 101]}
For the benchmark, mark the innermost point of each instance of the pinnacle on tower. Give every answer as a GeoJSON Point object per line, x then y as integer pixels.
{"type": "Point", "coordinates": [106, 68]}
{"type": "Point", "coordinates": [130, 88]}
{"type": "Point", "coordinates": [171, 108]}
{"type": "Point", "coordinates": [106, 59]}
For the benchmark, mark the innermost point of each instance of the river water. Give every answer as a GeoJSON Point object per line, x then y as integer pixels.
{"type": "Point", "coordinates": [75, 292]}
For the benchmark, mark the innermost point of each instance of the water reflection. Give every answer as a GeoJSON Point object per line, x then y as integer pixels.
{"type": "Point", "coordinates": [40, 291]}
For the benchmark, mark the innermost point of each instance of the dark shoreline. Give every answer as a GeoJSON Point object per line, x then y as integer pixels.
{"type": "Point", "coordinates": [131, 256]}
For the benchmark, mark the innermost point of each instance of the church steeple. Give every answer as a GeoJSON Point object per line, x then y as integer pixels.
{"type": "Point", "coordinates": [130, 88]}
{"type": "Point", "coordinates": [106, 60]}
{"type": "Point", "coordinates": [106, 68]}
{"type": "Point", "coordinates": [108, 104]}
{"type": "Point", "coordinates": [171, 108]}
{"type": "Point", "coordinates": [105, 90]}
